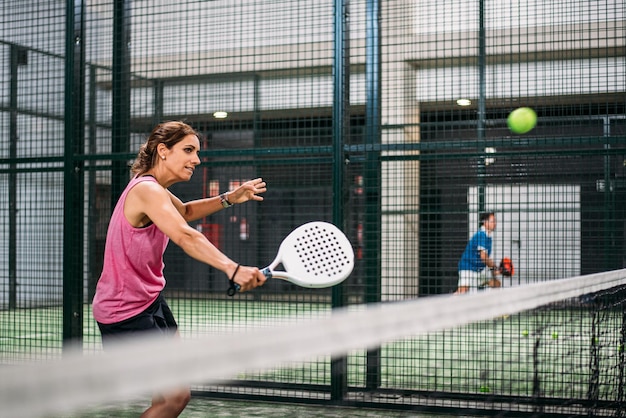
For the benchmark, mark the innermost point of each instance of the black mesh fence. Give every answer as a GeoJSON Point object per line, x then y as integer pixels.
{"type": "Point", "coordinates": [388, 119]}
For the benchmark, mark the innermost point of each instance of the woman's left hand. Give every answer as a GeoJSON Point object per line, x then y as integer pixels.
{"type": "Point", "coordinates": [249, 190]}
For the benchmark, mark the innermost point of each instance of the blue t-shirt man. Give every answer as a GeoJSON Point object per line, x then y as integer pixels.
{"type": "Point", "coordinates": [476, 269]}
{"type": "Point", "coordinates": [471, 259]}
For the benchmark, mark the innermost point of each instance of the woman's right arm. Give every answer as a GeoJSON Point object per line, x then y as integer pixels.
{"type": "Point", "coordinates": [153, 201]}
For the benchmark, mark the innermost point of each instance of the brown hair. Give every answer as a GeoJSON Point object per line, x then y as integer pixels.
{"type": "Point", "coordinates": [168, 133]}
{"type": "Point", "coordinates": [484, 217]}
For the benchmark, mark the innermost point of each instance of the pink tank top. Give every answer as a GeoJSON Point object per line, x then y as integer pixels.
{"type": "Point", "coordinates": [132, 273]}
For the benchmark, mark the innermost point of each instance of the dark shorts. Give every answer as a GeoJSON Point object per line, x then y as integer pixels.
{"type": "Point", "coordinates": [157, 318]}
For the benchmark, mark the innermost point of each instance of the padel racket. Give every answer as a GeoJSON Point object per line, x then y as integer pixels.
{"type": "Point", "coordinates": [314, 255]}
{"type": "Point", "coordinates": [506, 267]}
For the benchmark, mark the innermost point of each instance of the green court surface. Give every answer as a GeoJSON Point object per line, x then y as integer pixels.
{"type": "Point", "coordinates": [37, 333]}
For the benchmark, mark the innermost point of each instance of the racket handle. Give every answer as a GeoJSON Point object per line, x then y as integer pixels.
{"type": "Point", "coordinates": [235, 287]}
{"type": "Point", "coordinates": [267, 273]}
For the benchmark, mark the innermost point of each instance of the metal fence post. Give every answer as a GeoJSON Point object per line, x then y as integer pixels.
{"type": "Point", "coordinates": [73, 175]}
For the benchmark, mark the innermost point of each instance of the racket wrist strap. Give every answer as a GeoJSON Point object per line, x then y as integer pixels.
{"type": "Point", "coordinates": [232, 278]}
{"type": "Point", "coordinates": [234, 287]}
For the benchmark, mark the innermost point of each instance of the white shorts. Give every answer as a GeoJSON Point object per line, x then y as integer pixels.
{"type": "Point", "coordinates": [474, 279]}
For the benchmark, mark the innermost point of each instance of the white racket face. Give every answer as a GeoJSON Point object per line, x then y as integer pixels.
{"type": "Point", "coordinates": [316, 254]}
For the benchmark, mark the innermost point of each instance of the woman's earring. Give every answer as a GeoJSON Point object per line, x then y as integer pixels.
{"type": "Point", "coordinates": [162, 157]}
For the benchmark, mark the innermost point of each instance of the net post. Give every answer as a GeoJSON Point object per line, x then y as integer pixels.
{"type": "Point", "coordinates": [536, 393]}
{"type": "Point", "coordinates": [593, 389]}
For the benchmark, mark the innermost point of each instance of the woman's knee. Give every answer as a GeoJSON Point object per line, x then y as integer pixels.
{"type": "Point", "coordinates": [177, 401]}
{"type": "Point", "coordinates": [181, 398]}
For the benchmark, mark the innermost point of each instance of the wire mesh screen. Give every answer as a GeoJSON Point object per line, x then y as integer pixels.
{"type": "Point", "coordinates": [388, 119]}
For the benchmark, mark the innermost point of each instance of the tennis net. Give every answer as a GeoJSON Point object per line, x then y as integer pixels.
{"type": "Point", "coordinates": [582, 319]}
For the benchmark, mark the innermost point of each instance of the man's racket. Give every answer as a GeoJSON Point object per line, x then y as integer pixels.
{"type": "Point", "coordinates": [506, 267]}
{"type": "Point", "coordinates": [315, 255]}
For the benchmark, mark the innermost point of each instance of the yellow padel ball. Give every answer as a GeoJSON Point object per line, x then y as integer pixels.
{"type": "Point", "coordinates": [522, 120]}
